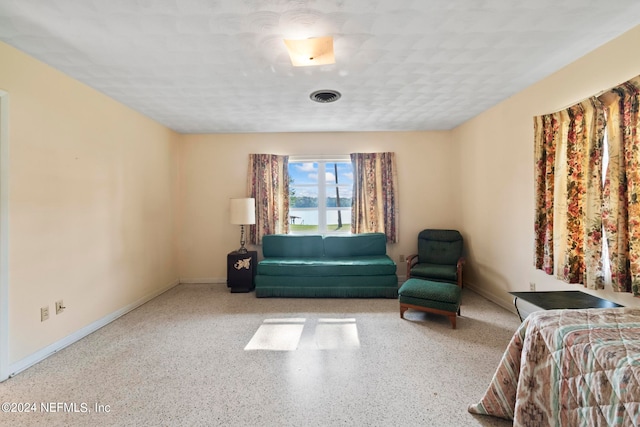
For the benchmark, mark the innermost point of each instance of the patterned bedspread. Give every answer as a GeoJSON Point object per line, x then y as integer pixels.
{"type": "Point", "coordinates": [569, 368]}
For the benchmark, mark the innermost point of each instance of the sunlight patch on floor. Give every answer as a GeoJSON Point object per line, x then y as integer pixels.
{"type": "Point", "coordinates": [285, 334]}
{"type": "Point", "coordinates": [277, 335]}
{"type": "Point", "coordinates": [333, 334]}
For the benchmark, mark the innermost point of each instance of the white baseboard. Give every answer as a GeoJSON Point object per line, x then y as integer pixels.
{"type": "Point", "coordinates": [491, 297]}
{"type": "Point", "coordinates": [204, 280]}
{"type": "Point", "coordinates": [47, 351]}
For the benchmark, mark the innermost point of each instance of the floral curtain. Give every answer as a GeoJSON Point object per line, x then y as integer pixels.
{"type": "Point", "coordinates": [582, 258]}
{"type": "Point", "coordinates": [568, 221]}
{"type": "Point", "coordinates": [622, 186]}
{"type": "Point", "coordinates": [546, 130]}
{"type": "Point", "coordinates": [375, 201]}
{"type": "Point", "coordinates": [268, 183]}
{"type": "Point", "coordinates": [574, 206]}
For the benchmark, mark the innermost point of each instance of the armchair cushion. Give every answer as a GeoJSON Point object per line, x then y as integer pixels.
{"type": "Point", "coordinates": [439, 246]}
{"type": "Point", "coordinates": [435, 272]}
{"type": "Point", "coordinates": [439, 257]}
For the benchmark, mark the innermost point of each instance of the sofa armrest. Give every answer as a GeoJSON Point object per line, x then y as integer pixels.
{"type": "Point", "coordinates": [411, 261]}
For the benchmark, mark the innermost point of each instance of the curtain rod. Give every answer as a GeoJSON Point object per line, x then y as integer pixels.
{"type": "Point", "coordinates": [322, 157]}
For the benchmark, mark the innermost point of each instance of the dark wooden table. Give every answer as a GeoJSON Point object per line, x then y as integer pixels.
{"type": "Point", "coordinates": [555, 300]}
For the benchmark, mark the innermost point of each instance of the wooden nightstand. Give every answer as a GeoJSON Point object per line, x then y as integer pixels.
{"type": "Point", "coordinates": [241, 270]}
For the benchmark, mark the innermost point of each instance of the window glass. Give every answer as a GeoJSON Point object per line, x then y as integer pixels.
{"type": "Point", "coordinates": [320, 196]}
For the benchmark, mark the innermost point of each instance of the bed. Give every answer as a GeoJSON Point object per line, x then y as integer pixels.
{"type": "Point", "coordinates": [569, 368]}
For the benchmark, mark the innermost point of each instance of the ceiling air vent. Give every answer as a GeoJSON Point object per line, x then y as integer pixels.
{"type": "Point", "coordinates": [324, 96]}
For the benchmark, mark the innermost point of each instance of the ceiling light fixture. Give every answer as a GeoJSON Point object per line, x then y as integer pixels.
{"type": "Point", "coordinates": [313, 51]}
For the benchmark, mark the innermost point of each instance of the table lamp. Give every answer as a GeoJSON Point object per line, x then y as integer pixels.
{"type": "Point", "coordinates": [243, 211]}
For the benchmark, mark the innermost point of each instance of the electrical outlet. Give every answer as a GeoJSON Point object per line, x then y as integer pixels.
{"type": "Point", "coordinates": [401, 258]}
{"type": "Point", "coordinates": [44, 313]}
{"type": "Point", "coordinates": [60, 307]}
{"type": "Point", "coordinates": [532, 286]}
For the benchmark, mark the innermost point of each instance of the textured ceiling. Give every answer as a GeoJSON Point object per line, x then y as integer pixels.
{"type": "Point", "coordinates": [210, 66]}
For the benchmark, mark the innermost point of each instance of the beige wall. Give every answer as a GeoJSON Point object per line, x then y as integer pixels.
{"type": "Point", "coordinates": [107, 207]}
{"type": "Point", "coordinates": [214, 169]}
{"type": "Point", "coordinates": [496, 152]}
{"type": "Point", "coordinates": [92, 196]}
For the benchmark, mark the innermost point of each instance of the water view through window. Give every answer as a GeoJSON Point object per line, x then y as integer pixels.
{"type": "Point", "coordinates": [320, 195]}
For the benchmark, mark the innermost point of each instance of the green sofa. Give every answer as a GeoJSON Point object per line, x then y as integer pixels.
{"type": "Point", "coordinates": [354, 266]}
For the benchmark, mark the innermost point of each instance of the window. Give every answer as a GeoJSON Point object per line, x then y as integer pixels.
{"type": "Point", "coordinates": [320, 191]}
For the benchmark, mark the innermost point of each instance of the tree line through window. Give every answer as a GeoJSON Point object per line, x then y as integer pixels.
{"type": "Point", "coordinates": [320, 196]}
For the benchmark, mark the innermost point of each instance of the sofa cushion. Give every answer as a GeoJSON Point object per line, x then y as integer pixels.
{"type": "Point", "coordinates": [286, 245]}
{"type": "Point", "coordinates": [327, 266]}
{"type": "Point", "coordinates": [327, 287]}
{"type": "Point", "coordinates": [365, 244]}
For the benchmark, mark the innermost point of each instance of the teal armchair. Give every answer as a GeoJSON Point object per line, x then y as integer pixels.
{"type": "Point", "coordinates": [439, 257]}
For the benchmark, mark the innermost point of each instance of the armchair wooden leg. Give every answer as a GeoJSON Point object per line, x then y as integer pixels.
{"type": "Point", "coordinates": [403, 308]}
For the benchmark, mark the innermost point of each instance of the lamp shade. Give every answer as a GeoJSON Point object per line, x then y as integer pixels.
{"type": "Point", "coordinates": [243, 211]}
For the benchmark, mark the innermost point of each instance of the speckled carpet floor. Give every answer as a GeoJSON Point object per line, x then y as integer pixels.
{"type": "Point", "coordinates": [180, 359]}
